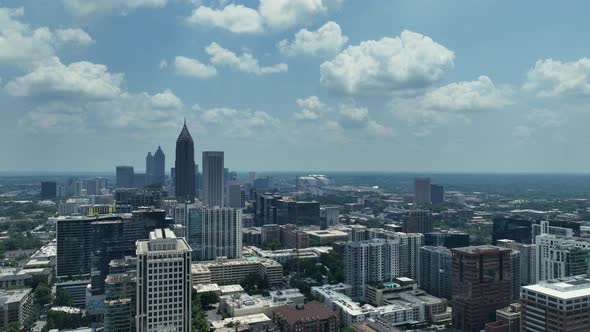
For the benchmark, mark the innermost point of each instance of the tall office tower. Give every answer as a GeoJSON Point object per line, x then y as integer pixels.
{"type": "Point", "coordinates": [422, 191]}
{"type": "Point", "coordinates": [125, 177]}
{"type": "Point", "coordinates": [370, 262]}
{"type": "Point", "coordinates": [512, 228]}
{"type": "Point", "coordinates": [437, 194]}
{"type": "Point", "coordinates": [481, 285]}
{"type": "Point", "coordinates": [112, 239]}
{"type": "Point", "coordinates": [557, 305]}
{"type": "Point", "coordinates": [448, 239]}
{"type": "Point", "coordinates": [436, 271]}
{"type": "Point", "coordinates": [417, 221]}
{"type": "Point", "coordinates": [330, 215]}
{"type": "Point", "coordinates": [218, 233]}
{"type": "Point", "coordinates": [48, 190]}
{"type": "Point", "coordinates": [120, 296]}
{"type": "Point", "coordinates": [127, 200]}
{"type": "Point", "coordinates": [198, 181]}
{"type": "Point", "coordinates": [164, 283]}
{"type": "Point", "coordinates": [74, 247]}
{"type": "Point", "coordinates": [527, 259]}
{"type": "Point", "coordinates": [189, 216]}
{"type": "Point", "coordinates": [149, 169]}
{"type": "Point", "coordinates": [237, 196]}
{"type": "Point", "coordinates": [159, 170]}
{"type": "Point", "coordinates": [213, 181]}
{"type": "Point", "coordinates": [252, 176]}
{"type": "Point", "coordinates": [185, 167]}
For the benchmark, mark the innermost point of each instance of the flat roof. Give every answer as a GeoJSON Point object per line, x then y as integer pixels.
{"type": "Point", "coordinates": [565, 288]}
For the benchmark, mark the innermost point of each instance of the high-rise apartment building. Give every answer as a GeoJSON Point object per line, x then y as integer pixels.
{"type": "Point", "coordinates": [185, 167]}
{"type": "Point", "coordinates": [482, 284]}
{"type": "Point", "coordinates": [213, 178]}
{"type": "Point", "coordinates": [216, 232]}
{"type": "Point", "coordinates": [164, 283]}
{"type": "Point", "coordinates": [417, 221]}
{"type": "Point", "coordinates": [527, 259]}
{"type": "Point", "coordinates": [436, 271]}
{"type": "Point", "coordinates": [560, 256]}
{"type": "Point", "coordinates": [380, 259]}
{"type": "Point", "coordinates": [422, 191]}
{"type": "Point", "coordinates": [557, 305]}
{"type": "Point", "coordinates": [125, 177]}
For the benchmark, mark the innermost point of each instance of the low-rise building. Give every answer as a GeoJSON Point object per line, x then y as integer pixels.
{"type": "Point", "coordinates": [507, 319]}
{"type": "Point", "coordinates": [225, 271]}
{"type": "Point", "coordinates": [284, 255]}
{"type": "Point", "coordinates": [244, 304]}
{"type": "Point", "coordinates": [249, 320]}
{"type": "Point", "coordinates": [313, 317]}
{"type": "Point", "coordinates": [326, 236]}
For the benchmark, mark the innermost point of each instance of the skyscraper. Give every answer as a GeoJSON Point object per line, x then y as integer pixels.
{"type": "Point", "coordinates": [149, 169]}
{"type": "Point", "coordinates": [422, 191]}
{"type": "Point", "coordinates": [437, 194]}
{"type": "Point", "coordinates": [125, 176]}
{"type": "Point", "coordinates": [237, 196]}
{"type": "Point", "coordinates": [48, 190]}
{"type": "Point", "coordinates": [213, 180]}
{"type": "Point", "coordinates": [482, 284]}
{"type": "Point", "coordinates": [436, 271]}
{"type": "Point", "coordinates": [159, 170]}
{"type": "Point", "coordinates": [417, 221]}
{"type": "Point", "coordinates": [185, 166]}
{"type": "Point", "coordinates": [216, 232]}
{"type": "Point", "coordinates": [512, 228]}
{"type": "Point", "coordinates": [164, 283]}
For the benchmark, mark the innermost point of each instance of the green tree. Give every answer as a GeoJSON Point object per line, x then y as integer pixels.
{"type": "Point", "coordinates": [62, 298]}
{"type": "Point", "coordinates": [43, 294]}
{"type": "Point", "coordinates": [199, 321]}
{"type": "Point", "coordinates": [208, 299]}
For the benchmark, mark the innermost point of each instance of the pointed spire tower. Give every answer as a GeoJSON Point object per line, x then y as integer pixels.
{"type": "Point", "coordinates": [185, 166]}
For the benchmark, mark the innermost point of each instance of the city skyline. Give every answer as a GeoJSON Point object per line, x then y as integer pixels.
{"type": "Point", "coordinates": [268, 84]}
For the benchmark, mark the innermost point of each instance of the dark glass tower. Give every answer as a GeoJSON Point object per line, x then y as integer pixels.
{"type": "Point", "coordinates": [149, 169]}
{"type": "Point", "coordinates": [185, 166]}
{"type": "Point", "coordinates": [159, 166]}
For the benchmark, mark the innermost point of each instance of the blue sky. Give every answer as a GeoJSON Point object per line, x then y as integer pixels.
{"type": "Point", "coordinates": [296, 84]}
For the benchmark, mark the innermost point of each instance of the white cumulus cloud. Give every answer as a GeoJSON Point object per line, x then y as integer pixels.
{"type": "Point", "coordinates": [269, 15]}
{"type": "Point", "coordinates": [454, 101]}
{"type": "Point", "coordinates": [239, 124]}
{"type": "Point", "coordinates": [86, 8]}
{"type": "Point", "coordinates": [553, 78]}
{"type": "Point", "coordinates": [193, 67]}
{"type": "Point", "coordinates": [311, 108]}
{"type": "Point", "coordinates": [410, 61]}
{"type": "Point", "coordinates": [245, 62]}
{"type": "Point", "coordinates": [22, 44]}
{"type": "Point", "coordinates": [79, 80]}
{"type": "Point", "coordinates": [327, 40]}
